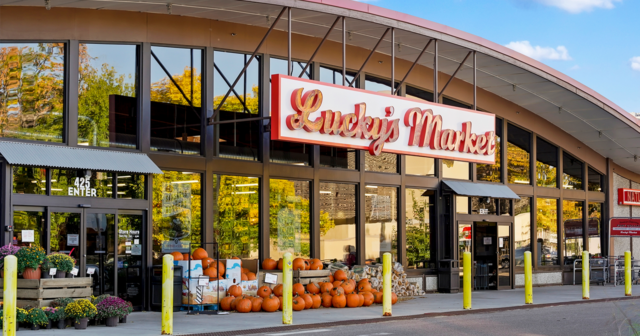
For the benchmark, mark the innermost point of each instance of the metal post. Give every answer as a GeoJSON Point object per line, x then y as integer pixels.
{"type": "Point", "coordinates": [289, 67]}
{"type": "Point", "coordinates": [344, 51]}
{"type": "Point", "coordinates": [313, 56]}
{"type": "Point", "coordinates": [386, 284]}
{"type": "Point", "coordinates": [435, 72]}
{"type": "Point", "coordinates": [528, 281]}
{"type": "Point", "coordinates": [585, 275]}
{"type": "Point", "coordinates": [355, 78]}
{"type": "Point", "coordinates": [627, 273]}
{"type": "Point", "coordinates": [466, 281]}
{"type": "Point", "coordinates": [475, 101]}
{"type": "Point", "coordinates": [10, 293]}
{"type": "Point", "coordinates": [454, 73]}
{"type": "Point", "coordinates": [287, 289]}
{"type": "Point", "coordinates": [167, 294]}
{"type": "Point", "coordinates": [393, 60]}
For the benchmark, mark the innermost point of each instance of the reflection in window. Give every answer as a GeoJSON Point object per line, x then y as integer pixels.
{"type": "Point", "coordinates": [29, 180]}
{"type": "Point", "coordinates": [383, 163]}
{"type": "Point", "coordinates": [572, 172]}
{"type": "Point", "coordinates": [32, 91]}
{"type": "Point", "coordinates": [522, 228]}
{"type": "Point", "coordinates": [339, 241]}
{"type": "Point", "coordinates": [418, 165]}
{"type": "Point", "coordinates": [238, 140]}
{"type": "Point", "coordinates": [289, 218]}
{"type": "Point", "coordinates": [464, 244]}
{"type": "Point", "coordinates": [420, 213]}
{"type": "Point", "coordinates": [595, 180]}
{"type": "Point", "coordinates": [547, 231]}
{"type": "Point", "coordinates": [177, 213]}
{"type": "Point", "coordinates": [72, 182]}
{"type": "Point", "coordinates": [131, 186]}
{"type": "Point", "coordinates": [107, 104]}
{"type": "Point", "coordinates": [381, 222]}
{"type": "Point", "coordinates": [28, 220]}
{"type": "Point", "coordinates": [518, 155]}
{"type": "Point", "coordinates": [455, 169]}
{"type": "Point", "coordinates": [492, 172]}
{"type": "Point", "coordinates": [334, 157]}
{"type": "Point", "coordinates": [546, 164]}
{"type": "Point", "coordinates": [452, 102]}
{"type": "Point", "coordinates": [572, 223]}
{"type": "Point", "coordinates": [236, 215]}
{"type": "Point", "coordinates": [377, 84]}
{"type": "Point", "coordinates": [420, 94]}
{"type": "Point", "coordinates": [505, 207]}
{"type": "Point", "coordinates": [334, 76]}
{"type": "Point", "coordinates": [462, 205]}
{"type": "Point", "coordinates": [62, 225]}
{"type": "Point", "coordinates": [484, 206]}
{"type": "Point", "coordinates": [176, 97]}
{"type": "Point", "coordinates": [594, 224]}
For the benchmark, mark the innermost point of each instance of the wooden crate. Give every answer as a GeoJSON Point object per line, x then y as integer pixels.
{"type": "Point", "coordinates": [303, 277]}
{"type": "Point", "coordinates": [40, 293]}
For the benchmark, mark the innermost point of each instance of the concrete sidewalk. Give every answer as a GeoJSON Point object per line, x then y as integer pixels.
{"type": "Point", "coordinates": [148, 323]}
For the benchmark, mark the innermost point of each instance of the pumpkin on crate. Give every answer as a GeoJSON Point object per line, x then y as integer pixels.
{"type": "Point", "coordinates": [339, 300]}
{"type": "Point", "coordinates": [297, 304]}
{"type": "Point", "coordinates": [277, 290]}
{"type": "Point", "coordinates": [256, 304]}
{"type": "Point", "coordinates": [244, 277]}
{"type": "Point", "coordinates": [186, 256]}
{"type": "Point", "coordinates": [308, 301]}
{"type": "Point", "coordinates": [251, 276]}
{"type": "Point", "coordinates": [221, 268]}
{"type": "Point", "coordinates": [270, 304]}
{"type": "Point", "coordinates": [269, 264]}
{"type": "Point", "coordinates": [327, 300]}
{"type": "Point", "coordinates": [244, 270]}
{"type": "Point", "coordinates": [264, 291]}
{"type": "Point", "coordinates": [298, 264]}
{"type": "Point", "coordinates": [177, 256]}
{"type": "Point", "coordinates": [307, 264]}
{"type": "Point", "coordinates": [316, 264]}
{"type": "Point", "coordinates": [280, 264]}
{"type": "Point", "coordinates": [207, 262]}
{"type": "Point", "coordinates": [340, 275]}
{"type": "Point", "coordinates": [337, 283]}
{"type": "Point", "coordinates": [212, 273]}
{"type": "Point", "coordinates": [331, 279]}
{"type": "Point", "coordinates": [225, 304]}
{"type": "Point", "coordinates": [243, 306]}
{"type": "Point", "coordinates": [298, 289]}
{"type": "Point", "coordinates": [235, 290]}
{"type": "Point", "coordinates": [313, 288]}
{"type": "Point", "coordinates": [199, 254]}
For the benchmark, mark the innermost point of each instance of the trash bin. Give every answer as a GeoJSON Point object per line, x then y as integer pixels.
{"type": "Point", "coordinates": [156, 288]}
{"type": "Point", "coordinates": [448, 276]}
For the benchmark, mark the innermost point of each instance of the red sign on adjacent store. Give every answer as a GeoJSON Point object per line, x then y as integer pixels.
{"type": "Point", "coordinates": [628, 196]}
{"type": "Point", "coordinates": [625, 227]}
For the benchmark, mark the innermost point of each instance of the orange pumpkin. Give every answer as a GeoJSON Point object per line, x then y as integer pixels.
{"type": "Point", "coordinates": [251, 276]}
{"type": "Point", "coordinates": [317, 301]}
{"type": "Point", "coordinates": [337, 290]}
{"type": "Point", "coordinates": [377, 297]}
{"type": "Point", "coordinates": [364, 287]}
{"type": "Point", "coordinates": [313, 288]}
{"type": "Point", "coordinates": [331, 279]}
{"type": "Point", "coordinates": [348, 286]}
{"type": "Point", "coordinates": [353, 300]}
{"type": "Point", "coordinates": [368, 299]}
{"type": "Point", "coordinates": [177, 256]}
{"type": "Point", "coordinates": [235, 290]}
{"type": "Point", "coordinates": [225, 304]}
{"type": "Point", "coordinates": [244, 306]}
{"type": "Point", "coordinates": [269, 264]}
{"type": "Point", "coordinates": [308, 301]}
{"type": "Point", "coordinates": [277, 290]}
{"type": "Point", "coordinates": [186, 256]}
{"type": "Point", "coordinates": [298, 289]}
{"type": "Point", "coordinates": [206, 262]}
{"type": "Point", "coordinates": [264, 291]}
{"type": "Point", "coordinates": [361, 300]}
{"type": "Point", "coordinates": [298, 264]}
{"type": "Point", "coordinates": [281, 302]}
{"type": "Point", "coordinates": [326, 300]}
{"type": "Point", "coordinates": [316, 264]}
{"type": "Point", "coordinates": [363, 281]}
{"type": "Point", "coordinates": [339, 300]}
{"type": "Point", "coordinates": [337, 283]}
{"type": "Point", "coordinates": [340, 275]}
{"type": "Point", "coordinates": [297, 304]}
{"type": "Point", "coordinates": [243, 277]}
{"type": "Point", "coordinates": [256, 304]}
{"type": "Point", "coordinates": [199, 254]}
{"type": "Point", "coordinates": [307, 264]}
{"type": "Point", "coordinates": [234, 302]}
{"type": "Point", "coordinates": [244, 270]}
{"type": "Point", "coordinates": [326, 287]}
{"type": "Point", "coordinates": [211, 272]}
{"type": "Point", "coordinates": [270, 304]}
{"type": "Point", "coordinates": [221, 268]}
{"type": "Point", "coordinates": [280, 264]}
{"type": "Point", "coordinates": [394, 298]}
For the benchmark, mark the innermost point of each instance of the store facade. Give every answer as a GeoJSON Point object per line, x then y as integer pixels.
{"type": "Point", "coordinates": [167, 137]}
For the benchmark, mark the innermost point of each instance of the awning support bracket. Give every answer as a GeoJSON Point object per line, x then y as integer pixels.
{"type": "Point", "coordinates": [413, 65]}
{"type": "Point", "coordinates": [313, 56]}
{"type": "Point", "coordinates": [355, 78]}
{"type": "Point", "coordinates": [455, 72]}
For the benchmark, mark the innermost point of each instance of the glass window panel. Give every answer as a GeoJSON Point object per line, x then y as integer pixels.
{"type": "Point", "coordinates": [236, 221]}
{"type": "Point", "coordinates": [546, 164]}
{"type": "Point", "coordinates": [420, 214]}
{"type": "Point", "coordinates": [107, 91]}
{"type": "Point", "coordinates": [334, 76]}
{"type": "Point", "coordinates": [492, 172]}
{"type": "Point", "coordinates": [279, 66]}
{"type": "Point", "coordinates": [383, 163]}
{"type": "Point", "coordinates": [133, 186]}
{"type": "Point", "coordinates": [418, 165]}
{"type": "Point", "coordinates": [595, 220]}
{"type": "Point", "coordinates": [338, 242]}
{"type": "Point", "coordinates": [518, 155]}
{"type": "Point", "coordinates": [547, 231]}
{"type": "Point", "coordinates": [505, 207]}
{"type": "Point", "coordinates": [381, 222]}
{"type": "Point", "coordinates": [289, 218]}
{"type": "Point", "coordinates": [176, 97]}
{"type": "Point", "coordinates": [238, 140]}
{"type": "Point", "coordinates": [377, 84]}
{"type": "Point", "coordinates": [63, 183]}
{"type": "Point", "coordinates": [455, 169]}
{"type": "Point", "coordinates": [573, 232]}
{"type": "Point", "coordinates": [32, 91]}
{"type": "Point", "coordinates": [29, 180]}
{"type": "Point", "coordinates": [522, 228]}
{"type": "Point", "coordinates": [130, 271]}
{"type": "Point", "coordinates": [28, 220]}
{"type": "Point", "coordinates": [464, 244]}
{"type": "Point", "coordinates": [334, 157]}
{"type": "Point", "coordinates": [100, 242]}
{"type": "Point", "coordinates": [462, 205]}
{"type": "Point", "coordinates": [451, 102]}
{"type": "Point", "coordinates": [63, 224]}
{"type": "Point", "coordinates": [177, 213]}
{"type": "Point", "coordinates": [572, 172]}
{"type": "Point", "coordinates": [413, 92]}
{"type": "Point", "coordinates": [488, 205]}
{"type": "Point", "coordinates": [595, 180]}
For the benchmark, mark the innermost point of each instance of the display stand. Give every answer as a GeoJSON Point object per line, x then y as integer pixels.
{"type": "Point", "coordinates": [200, 310]}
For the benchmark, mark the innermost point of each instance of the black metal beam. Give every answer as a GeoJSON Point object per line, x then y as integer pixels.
{"type": "Point", "coordinates": [235, 93]}
{"type": "Point", "coordinates": [413, 65]}
{"type": "Point", "coordinates": [239, 120]}
{"type": "Point", "coordinates": [455, 72]}
{"type": "Point", "coordinates": [319, 46]}
{"type": "Point", "coordinates": [184, 95]}
{"type": "Point", "coordinates": [355, 78]}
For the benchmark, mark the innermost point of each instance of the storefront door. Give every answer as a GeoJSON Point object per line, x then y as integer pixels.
{"type": "Point", "coordinates": [504, 257]}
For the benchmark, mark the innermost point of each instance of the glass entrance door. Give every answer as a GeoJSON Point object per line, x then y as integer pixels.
{"type": "Point", "coordinates": [65, 228]}
{"type": "Point", "coordinates": [130, 258]}
{"type": "Point", "coordinates": [100, 249]}
{"type": "Point", "coordinates": [504, 257]}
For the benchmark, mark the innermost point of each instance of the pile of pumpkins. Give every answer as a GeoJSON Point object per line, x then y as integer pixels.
{"type": "Point", "coordinates": [339, 292]}
{"type": "Point", "coordinates": [299, 264]}
{"type": "Point", "coordinates": [209, 267]}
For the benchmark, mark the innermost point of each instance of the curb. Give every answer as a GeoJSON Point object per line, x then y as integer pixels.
{"type": "Point", "coordinates": [408, 317]}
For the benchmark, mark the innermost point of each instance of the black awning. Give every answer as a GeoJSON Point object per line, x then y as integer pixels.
{"type": "Point", "coordinates": [480, 189]}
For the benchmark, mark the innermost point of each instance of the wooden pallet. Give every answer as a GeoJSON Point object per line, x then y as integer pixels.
{"type": "Point", "coordinates": [303, 277]}
{"type": "Point", "coordinates": [40, 293]}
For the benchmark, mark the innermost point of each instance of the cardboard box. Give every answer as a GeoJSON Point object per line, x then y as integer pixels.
{"type": "Point", "coordinates": [196, 268]}
{"type": "Point", "coordinates": [249, 287]}
{"type": "Point", "coordinates": [192, 293]}
{"type": "Point", "coordinates": [233, 272]}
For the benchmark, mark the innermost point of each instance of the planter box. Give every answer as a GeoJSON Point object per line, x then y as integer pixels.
{"type": "Point", "coordinates": [40, 293]}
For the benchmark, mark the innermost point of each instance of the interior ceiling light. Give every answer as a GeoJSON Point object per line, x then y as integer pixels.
{"type": "Point", "coordinates": [349, 35]}
{"type": "Point", "coordinates": [169, 9]}
{"type": "Point", "coordinates": [268, 19]}
{"type": "Point", "coordinates": [47, 5]}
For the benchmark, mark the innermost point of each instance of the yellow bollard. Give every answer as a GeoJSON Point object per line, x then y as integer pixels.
{"type": "Point", "coordinates": [167, 294]}
{"type": "Point", "coordinates": [287, 289]}
{"type": "Point", "coordinates": [10, 294]}
{"type": "Point", "coordinates": [386, 284]}
{"type": "Point", "coordinates": [528, 280]}
{"type": "Point", "coordinates": [585, 275]}
{"type": "Point", "coordinates": [627, 273]}
{"type": "Point", "coordinates": [466, 280]}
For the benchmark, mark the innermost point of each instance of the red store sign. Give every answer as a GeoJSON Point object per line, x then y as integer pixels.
{"type": "Point", "coordinates": [628, 196]}
{"type": "Point", "coordinates": [625, 227]}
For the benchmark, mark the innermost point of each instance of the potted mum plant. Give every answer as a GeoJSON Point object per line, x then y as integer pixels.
{"type": "Point", "coordinates": [62, 263]}
{"type": "Point", "coordinates": [37, 319]}
{"type": "Point", "coordinates": [6, 250]}
{"type": "Point", "coordinates": [21, 317]}
{"type": "Point", "coordinates": [56, 316]}
{"type": "Point", "coordinates": [111, 309]}
{"type": "Point", "coordinates": [129, 310]}
{"type": "Point", "coordinates": [62, 303]}
{"type": "Point", "coordinates": [29, 260]}
{"type": "Point", "coordinates": [81, 311]}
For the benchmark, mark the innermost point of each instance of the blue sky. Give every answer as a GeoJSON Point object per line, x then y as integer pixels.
{"type": "Point", "coordinates": [596, 42]}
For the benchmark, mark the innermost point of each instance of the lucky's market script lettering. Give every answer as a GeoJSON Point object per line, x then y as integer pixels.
{"type": "Point", "coordinates": [82, 188]}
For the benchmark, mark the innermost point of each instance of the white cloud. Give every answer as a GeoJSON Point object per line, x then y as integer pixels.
{"type": "Point", "coordinates": [578, 6]}
{"type": "Point", "coordinates": [540, 53]}
{"type": "Point", "coordinates": [635, 63]}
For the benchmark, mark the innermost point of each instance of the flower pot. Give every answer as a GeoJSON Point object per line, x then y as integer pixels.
{"type": "Point", "coordinates": [82, 323]}
{"type": "Point", "coordinates": [123, 319]}
{"type": "Point", "coordinates": [35, 326]}
{"type": "Point", "coordinates": [30, 273]}
{"type": "Point", "coordinates": [61, 324]}
{"type": "Point", "coordinates": [48, 325]}
{"type": "Point", "coordinates": [70, 322]}
{"type": "Point", "coordinates": [60, 274]}
{"type": "Point", "coordinates": [111, 321]}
